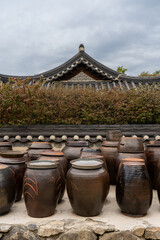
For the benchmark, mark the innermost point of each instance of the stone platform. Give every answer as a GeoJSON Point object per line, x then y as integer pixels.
{"type": "Point", "coordinates": [64, 224]}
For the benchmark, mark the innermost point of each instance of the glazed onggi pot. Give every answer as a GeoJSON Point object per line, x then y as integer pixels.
{"type": "Point", "coordinates": [87, 187]}
{"type": "Point", "coordinates": [97, 157]}
{"type": "Point", "coordinates": [61, 179]}
{"type": "Point", "coordinates": [87, 152]}
{"type": "Point", "coordinates": [135, 151]}
{"type": "Point", "coordinates": [73, 148]}
{"type": "Point", "coordinates": [56, 154]}
{"type": "Point", "coordinates": [36, 148]}
{"type": "Point", "coordinates": [109, 152]}
{"type": "Point", "coordinates": [133, 189]}
{"type": "Point", "coordinates": [40, 188]}
{"type": "Point", "coordinates": [130, 145]}
{"type": "Point", "coordinates": [15, 160]}
{"type": "Point", "coordinates": [121, 156]}
{"type": "Point", "coordinates": [7, 189]}
{"type": "Point", "coordinates": [153, 160]}
{"type": "Point", "coordinates": [5, 146]}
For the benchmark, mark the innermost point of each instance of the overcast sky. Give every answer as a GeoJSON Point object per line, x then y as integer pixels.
{"type": "Point", "coordinates": [38, 35]}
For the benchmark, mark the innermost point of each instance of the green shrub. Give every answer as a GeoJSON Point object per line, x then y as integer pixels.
{"type": "Point", "coordinates": [22, 104]}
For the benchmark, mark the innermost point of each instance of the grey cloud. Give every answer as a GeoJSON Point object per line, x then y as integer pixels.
{"type": "Point", "coordinates": [39, 35]}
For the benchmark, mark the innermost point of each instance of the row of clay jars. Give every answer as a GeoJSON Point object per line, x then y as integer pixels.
{"type": "Point", "coordinates": [87, 187]}
{"type": "Point", "coordinates": [133, 188]}
{"type": "Point", "coordinates": [41, 188]}
{"type": "Point", "coordinates": [15, 161]}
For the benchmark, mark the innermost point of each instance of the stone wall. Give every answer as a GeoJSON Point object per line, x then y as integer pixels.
{"type": "Point", "coordinates": [75, 230]}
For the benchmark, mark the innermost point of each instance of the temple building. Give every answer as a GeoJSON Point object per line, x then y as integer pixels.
{"type": "Point", "coordinates": [84, 71]}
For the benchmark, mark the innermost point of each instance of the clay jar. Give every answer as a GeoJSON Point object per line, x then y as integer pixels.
{"type": "Point", "coordinates": [36, 148]}
{"type": "Point", "coordinates": [62, 180]}
{"type": "Point", "coordinates": [5, 146]}
{"type": "Point", "coordinates": [40, 188]}
{"type": "Point", "coordinates": [129, 147]}
{"type": "Point", "coordinates": [7, 189]}
{"type": "Point", "coordinates": [87, 152]}
{"type": "Point", "coordinates": [16, 162]}
{"type": "Point", "coordinates": [73, 148]}
{"type": "Point", "coordinates": [56, 154]}
{"type": "Point", "coordinates": [133, 189]}
{"type": "Point", "coordinates": [109, 152]}
{"type": "Point", "coordinates": [87, 187]}
{"type": "Point", "coordinates": [153, 160]}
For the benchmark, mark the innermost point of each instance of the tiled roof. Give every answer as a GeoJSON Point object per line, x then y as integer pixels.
{"type": "Point", "coordinates": [107, 77]}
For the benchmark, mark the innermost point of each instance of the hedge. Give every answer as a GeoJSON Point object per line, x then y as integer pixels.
{"type": "Point", "coordinates": [22, 104]}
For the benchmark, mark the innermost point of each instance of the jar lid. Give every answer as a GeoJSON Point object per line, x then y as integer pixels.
{"type": "Point", "coordinates": [77, 144]}
{"type": "Point", "coordinates": [12, 154]}
{"type": "Point", "coordinates": [84, 164]}
{"type": "Point", "coordinates": [5, 144]}
{"type": "Point", "coordinates": [38, 164]}
{"type": "Point", "coordinates": [133, 163]}
{"type": "Point", "coordinates": [45, 145]}
{"type": "Point", "coordinates": [3, 166]}
{"type": "Point", "coordinates": [93, 157]}
{"type": "Point", "coordinates": [52, 153]}
{"type": "Point", "coordinates": [133, 160]}
{"type": "Point", "coordinates": [91, 150]}
{"type": "Point", "coordinates": [109, 144]}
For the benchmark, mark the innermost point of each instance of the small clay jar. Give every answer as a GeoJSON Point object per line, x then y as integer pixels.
{"type": "Point", "coordinates": [153, 160]}
{"type": "Point", "coordinates": [87, 187]}
{"type": "Point", "coordinates": [96, 157]}
{"type": "Point", "coordinates": [62, 180]}
{"type": "Point", "coordinates": [109, 152]}
{"type": "Point", "coordinates": [86, 152]}
{"type": "Point", "coordinates": [15, 160]}
{"type": "Point", "coordinates": [73, 148]}
{"type": "Point", "coordinates": [40, 188]}
{"type": "Point", "coordinates": [56, 154]}
{"type": "Point", "coordinates": [5, 146]}
{"type": "Point", "coordinates": [7, 189]}
{"type": "Point", "coordinates": [36, 148]}
{"type": "Point", "coordinates": [133, 189]}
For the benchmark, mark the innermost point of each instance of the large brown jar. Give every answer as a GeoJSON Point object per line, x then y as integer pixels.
{"type": "Point", "coordinates": [129, 147]}
{"type": "Point", "coordinates": [87, 152]}
{"type": "Point", "coordinates": [5, 146]}
{"type": "Point", "coordinates": [16, 162]}
{"type": "Point", "coordinates": [62, 180]}
{"type": "Point", "coordinates": [109, 152]}
{"type": "Point", "coordinates": [56, 154]}
{"type": "Point", "coordinates": [40, 188]}
{"type": "Point", "coordinates": [133, 189]}
{"type": "Point", "coordinates": [7, 189]}
{"type": "Point", "coordinates": [36, 148]}
{"type": "Point", "coordinates": [153, 160]}
{"type": "Point", "coordinates": [87, 187]}
{"type": "Point", "coordinates": [73, 148]}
